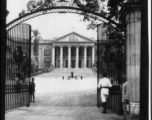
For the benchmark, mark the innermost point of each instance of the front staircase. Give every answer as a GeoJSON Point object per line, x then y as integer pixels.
{"type": "Point", "coordinates": [66, 72]}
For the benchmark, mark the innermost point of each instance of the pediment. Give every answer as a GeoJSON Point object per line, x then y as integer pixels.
{"type": "Point", "coordinates": [73, 37]}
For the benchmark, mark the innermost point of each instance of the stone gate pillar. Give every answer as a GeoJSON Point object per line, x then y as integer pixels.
{"type": "Point", "coordinates": [131, 16]}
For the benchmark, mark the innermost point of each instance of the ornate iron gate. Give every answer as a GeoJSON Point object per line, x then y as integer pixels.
{"type": "Point", "coordinates": [112, 60]}
{"type": "Point", "coordinates": [18, 54]}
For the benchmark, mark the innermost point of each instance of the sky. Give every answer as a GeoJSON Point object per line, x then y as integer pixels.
{"type": "Point", "coordinates": [51, 25]}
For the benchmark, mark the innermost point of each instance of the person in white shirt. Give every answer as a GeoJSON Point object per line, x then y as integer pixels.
{"type": "Point", "coordinates": [104, 85]}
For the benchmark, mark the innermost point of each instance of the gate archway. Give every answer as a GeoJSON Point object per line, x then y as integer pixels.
{"type": "Point", "coordinates": [36, 9]}
{"type": "Point", "coordinates": [48, 7]}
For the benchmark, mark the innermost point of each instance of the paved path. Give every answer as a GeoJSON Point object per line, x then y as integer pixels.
{"type": "Point", "coordinates": [58, 99]}
{"type": "Point", "coordinates": [60, 113]}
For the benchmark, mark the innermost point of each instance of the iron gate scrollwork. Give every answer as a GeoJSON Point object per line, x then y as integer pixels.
{"type": "Point", "coordinates": [37, 8]}
{"type": "Point", "coordinates": [18, 54]}
{"type": "Point", "coordinates": [113, 60]}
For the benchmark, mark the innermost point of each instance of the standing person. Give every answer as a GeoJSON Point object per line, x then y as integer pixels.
{"type": "Point", "coordinates": [104, 85]}
{"type": "Point", "coordinates": [32, 91]}
{"type": "Point", "coordinates": [125, 96]}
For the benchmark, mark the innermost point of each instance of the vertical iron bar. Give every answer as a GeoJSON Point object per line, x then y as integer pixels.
{"type": "Point", "coordinates": [11, 45]}
{"type": "Point", "coordinates": [8, 74]}
{"type": "Point", "coordinates": [15, 43]}
{"type": "Point", "coordinates": [114, 74]}
{"type": "Point", "coordinates": [118, 71]}
{"type": "Point", "coordinates": [3, 57]}
{"type": "Point", "coordinates": [14, 91]}
{"type": "Point", "coordinates": [15, 47]}
{"type": "Point", "coordinates": [25, 52]}
{"type": "Point", "coordinates": [121, 47]}
{"type": "Point", "coordinates": [11, 85]}
{"type": "Point", "coordinates": [9, 77]}
{"type": "Point", "coordinates": [21, 37]}
{"type": "Point", "coordinates": [29, 74]}
{"type": "Point", "coordinates": [98, 104]}
{"type": "Point", "coordinates": [18, 41]}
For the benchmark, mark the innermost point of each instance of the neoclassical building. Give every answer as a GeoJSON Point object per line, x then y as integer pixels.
{"type": "Point", "coordinates": [69, 51]}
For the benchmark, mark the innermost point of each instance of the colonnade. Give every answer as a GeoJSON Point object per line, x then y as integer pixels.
{"type": "Point", "coordinates": [77, 56]}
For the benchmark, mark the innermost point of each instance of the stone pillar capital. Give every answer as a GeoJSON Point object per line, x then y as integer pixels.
{"type": "Point", "coordinates": [136, 5]}
{"type": "Point", "coordinates": [93, 46]}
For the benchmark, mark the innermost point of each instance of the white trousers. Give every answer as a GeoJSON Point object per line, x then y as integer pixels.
{"type": "Point", "coordinates": [104, 97]}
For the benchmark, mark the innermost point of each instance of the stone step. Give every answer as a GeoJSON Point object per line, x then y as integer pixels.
{"type": "Point", "coordinates": [60, 72]}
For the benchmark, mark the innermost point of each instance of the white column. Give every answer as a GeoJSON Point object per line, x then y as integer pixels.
{"type": "Point", "coordinates": [40, 56]}
{"type": "Point", "coordinates": [93, 55]}
{"type": "Point", "coordinates": [42, 59]}
{"type": "Point", "coordinates": [69, 57]}
{"type": "Point", "coordinates": [77, 57]}
{"type": "Point", "coordinates": [85, 57]}
{"type": "Point", "coordinates": [61, 57]}
{"type": "Point", "coordinates": [53, 56]}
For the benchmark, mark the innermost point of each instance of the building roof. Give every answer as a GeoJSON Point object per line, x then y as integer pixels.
{"type": "Point", "coordinates": [73, 37]}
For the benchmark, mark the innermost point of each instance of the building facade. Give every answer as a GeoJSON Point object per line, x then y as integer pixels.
{"type": "Point", "coordinates": [69, 51]}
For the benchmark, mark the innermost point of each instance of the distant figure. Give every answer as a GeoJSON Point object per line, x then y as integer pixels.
{"type": "Point", "coordinates": [32, 90]}
{"type": "Point", "coordinates": [72, 74]}
{"type": "Point", "coordinates": [104, 85]}
{"type": "Point", "coordinates": [125, 95]}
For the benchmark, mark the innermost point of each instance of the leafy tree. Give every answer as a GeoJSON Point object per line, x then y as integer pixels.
{"type": "Point", "coordinates": [114, 54]}
{"type": "Point", "coordinates": [114, 7]}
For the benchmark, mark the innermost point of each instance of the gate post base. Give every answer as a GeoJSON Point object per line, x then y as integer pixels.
{"type": "Point", "coordinates": [134, 111]}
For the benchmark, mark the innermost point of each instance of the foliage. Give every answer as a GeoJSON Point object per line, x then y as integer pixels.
{"type": "Point", "coordinates": [114, 55]}
{"type": "Point", "coordinates": [114, 7]}
{"type": "Point", "coordinates": [108, 8]}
